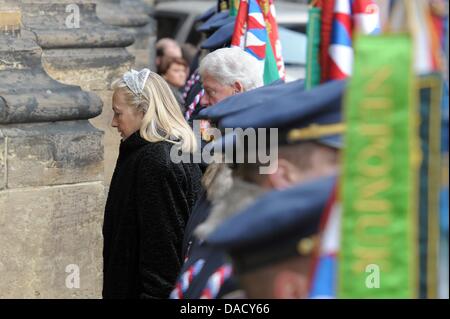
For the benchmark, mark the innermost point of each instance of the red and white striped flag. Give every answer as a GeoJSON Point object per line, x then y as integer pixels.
{"type": "Point", "coordinates": [256, 32]}
{"type": "Point", "coordinates": [350, 16]}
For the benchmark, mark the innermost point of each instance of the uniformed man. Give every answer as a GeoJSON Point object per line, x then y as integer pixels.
{"type": "Point", "coordinates": [316, 155]}
{"type": "Point", "coordinates": [271, 243]}
{"type": "Point", "coordinates": [243, 73]}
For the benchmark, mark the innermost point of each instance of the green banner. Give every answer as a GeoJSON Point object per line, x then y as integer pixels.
{"type": "Point", "coordinates": [378, 257]}
{"type": "Point", "coordinates": [312, 60]}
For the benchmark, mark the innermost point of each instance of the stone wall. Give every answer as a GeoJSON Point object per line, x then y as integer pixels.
{"type": "Point", "coordinates": [55, 113]}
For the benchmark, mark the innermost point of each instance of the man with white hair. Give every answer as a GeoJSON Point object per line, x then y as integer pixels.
{"type": "Point", "coordinates": [227, 72]}
{"type": "Point", "coordinates": [224, 72]}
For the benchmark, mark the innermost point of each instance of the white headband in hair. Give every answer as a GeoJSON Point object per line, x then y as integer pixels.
{"type": "Point", "coordinates": [136, 80]}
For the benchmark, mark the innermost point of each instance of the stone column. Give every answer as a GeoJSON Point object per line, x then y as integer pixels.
{"type": "Point", "coordinates": [84, 52]}
{"type": "Point", "coordinates": [51, 178]}
{"type": "Point", "coordinates": [133, 16]}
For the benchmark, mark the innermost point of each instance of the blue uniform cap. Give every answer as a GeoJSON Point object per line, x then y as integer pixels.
{"type": "Point", "coordinates": [207, 14]}
{"type": "Point", "coordinates": [221, 22]}
{"type": "Point", "coordinates": [244, 101]}
{"type": "Point", "coordinates": [213, 21]}
{"type": "Point", "coordinates": [299, 115]}
{"type": "Point", "coordinates": [220, 38]}
{"type": "Point", "coordinates": [280, 225]}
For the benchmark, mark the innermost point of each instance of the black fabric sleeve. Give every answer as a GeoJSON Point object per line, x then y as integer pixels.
{"type": "Point", "coordinates": [161, 227]}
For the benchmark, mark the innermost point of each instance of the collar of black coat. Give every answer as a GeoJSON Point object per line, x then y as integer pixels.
{"type": "Point", "coordinates": [132, 143]}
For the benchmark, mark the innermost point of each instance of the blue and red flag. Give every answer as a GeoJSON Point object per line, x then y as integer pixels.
{"type": "Point", "coordinates": [349, 17]}
{"type": "Point", "coordinates": [256, 32]}
{"type": "Point", "coordinates": [324, 273]}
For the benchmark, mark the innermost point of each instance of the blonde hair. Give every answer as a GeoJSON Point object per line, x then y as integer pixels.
{"type": "Point", "coordinates": [163, 120]}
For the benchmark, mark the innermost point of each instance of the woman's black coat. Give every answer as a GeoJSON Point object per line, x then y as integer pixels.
{"type": "Point", "coordinates": [149, 202]}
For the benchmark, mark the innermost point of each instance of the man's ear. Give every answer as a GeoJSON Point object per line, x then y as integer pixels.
{"type": "Point", "coordinates": [238, 87]}
{"type": "Point", "coordinates": [290, 285]}
{"type": "Point", "coordinates": [284, 176]}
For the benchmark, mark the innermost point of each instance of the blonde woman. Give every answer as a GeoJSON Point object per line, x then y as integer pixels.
{"type": "Point", "coordinates": [150, 197]}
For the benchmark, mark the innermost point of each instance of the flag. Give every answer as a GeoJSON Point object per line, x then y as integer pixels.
{"type": "Point", "coordinates": [444, 137]}
{"type": "Point", "coordinates": [256, 32]}
{"type": "Point", "coordinates": [327, 7]}
{"type": "Point", "coordinates": [312, 77]}
{"type": "Point", "coordinates": [234, 6]}
{"type": "Point", "coordinates": [324, 276]}
{"type": "Point", "coordinates": [378, 248]}
{"type": "Point", "coordinates": [444, 218]}
{"type": "Point", "coordinates": [350, 16]}
{"type": "Point", "coordinates": [429, 183]}
{"type": "Point", "coordinates": [430, 17]}
{"type": "Point", "coordinates": [426, 35]}
{"type": "Point", "coordinates": [427, 18]}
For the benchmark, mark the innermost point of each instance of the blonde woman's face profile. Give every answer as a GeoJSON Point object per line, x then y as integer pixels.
{"type": "Point", "coordinates": [127, 119]}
